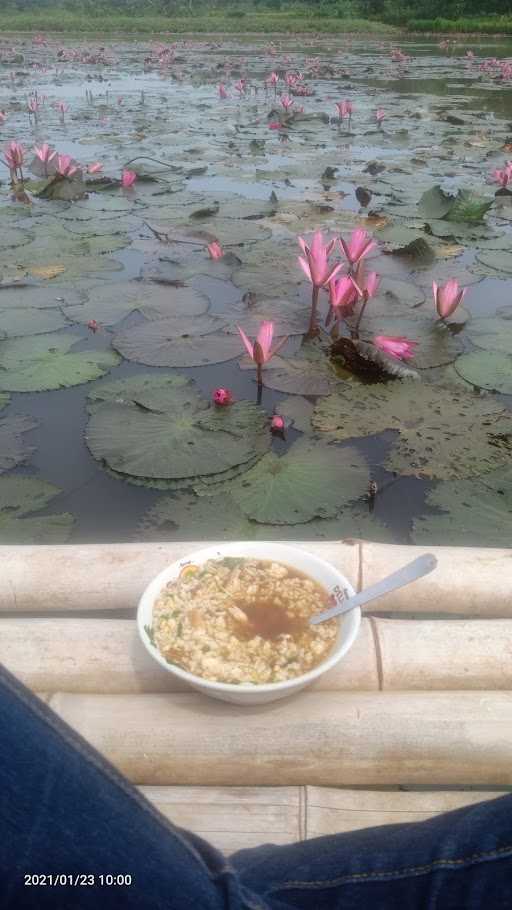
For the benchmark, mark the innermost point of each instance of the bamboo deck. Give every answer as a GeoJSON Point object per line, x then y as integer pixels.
{"type": "Point", "coordinates": [420, 708]}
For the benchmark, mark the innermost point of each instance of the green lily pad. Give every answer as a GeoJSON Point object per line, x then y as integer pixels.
{"type": "Point", "coordinates": [443, 433]}
{"type": "Point", "coordinates": [159, 427]}
{"type": "Point", "coordinates": [44, 362]}
{"type": "Point", "coordinates": [501, 260]}
{"type": "Point", "coordinates": [487, 370]}
{"type": "Point", "coordinates": [472, 513]}
{"type": "Point", "coordinates": [468, 207]}
{"type": "Point", "coordinates": [13, 448]}
{"type": "Point", "coordinates": [108, 304]}
{"type": "Point", "coordinates": [289, 318]}
{"type": "Point", "coordinates": [299, 376]}
{"type": "Point", "coordinates": [311, 480]}
{"type": "Point", "coordinates": [492, 333]}
{"type": "Point", "coordinates": [29, 321]}
{"type": "Point", "coordinates": [30, 297]}
{"type": "Point", "coordinates": [221, 519]}
{"type": "Point", "coordinates": [435, 203]}
{"type": "Point", "coordinates": [298, 411]}
{"type": "Point", "coordinates": [19, 497]}
{"type": "Point", "coordinates": [178, 342]}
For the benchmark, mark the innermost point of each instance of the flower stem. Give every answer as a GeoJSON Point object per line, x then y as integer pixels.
{"type": "Point", "coordinates": [358, 323]}
{"type": "Point", "coordinates": [259, 374]}
{"type": "Point", "coordinates": [312, 331]}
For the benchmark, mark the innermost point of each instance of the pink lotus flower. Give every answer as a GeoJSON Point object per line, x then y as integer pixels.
{"type": "Point", "coordinates": [345, 109]}
{"type": "Point", "coordinates": [316, 267]}
{"type": "Point", "coordinates": [65, 166]}
{"type": "Point", "coordinates": [93, 326]}
{"type": "Point", "coordinates": [503, 176]}
{"type": "Point", "coordinates": [223, 397]}
{"type": "Point", "coordinates": [62, 108]}
{"type": "Point", "coordinates": [240, 87]}
{"type": "Point", "coordinates": [95, 168]}
{"type": "Point", "coordinates": [380, 115]}
{"type": "Point", "coordinates": [359, 245]}
{"type": "Point", "coordinates": [33, 106]}
{"type": "Point", "coordinates": [342, 295]}
{"type": "Point", "coordinates": [262, 351]}
{"type": "Point", "coordinates": [14, 157]}
{"type": "Point", "coordinates": [215, 250]}
{"type": "Point", "coordinates": [128, 178]}
{"type": "Point", "coordinates": [287, 102]}
{"type": "Point", "coordinates": [314, 263]}
{"type": "Point", "coordinates": [366, 285]}
{"type": "Point", "coordinates": [448, 297]}
{"type": "Point", "coordinates": [277, 424]}
{"type": "Point", "coordinates": [273, 79]}
{"type": "Point", "coordinates": [396, 346]}
{"type": "Point", "coordinates": [275, 125]}
{"type": "Point", "coordinates": [222, 91]}
{"type": "Point", "coordinates": [45, 154]}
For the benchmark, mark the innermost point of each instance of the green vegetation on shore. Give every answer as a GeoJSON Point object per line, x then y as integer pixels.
{"type": "Point", "coordinates": [224, 21]}
{"type": "Point", "coordinates": [484, 25]}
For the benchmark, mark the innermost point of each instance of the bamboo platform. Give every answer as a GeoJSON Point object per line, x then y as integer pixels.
{"type": "Point", "coordinates": [415, 721]}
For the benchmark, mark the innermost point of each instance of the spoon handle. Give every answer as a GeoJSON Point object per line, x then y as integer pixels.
{"type": "Point", "coordinates": [413, 570]}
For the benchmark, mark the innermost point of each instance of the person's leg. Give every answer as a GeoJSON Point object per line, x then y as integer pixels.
{"type": "Point", "coordinates": [72, 829]}
{"type": "Point", "coordinates": [460, 860]}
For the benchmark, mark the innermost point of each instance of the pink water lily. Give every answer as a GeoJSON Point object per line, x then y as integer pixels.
{"type": "Point", "coordinates": [277, 425]}
{"type": "Point", "coordinates": [240, 87]}
{"type": "Point", "coordinates": [62, 108]}
{"type": "Point", "coordinates": [359, 245]}
{"type": "Point", "coordinates": [287, 102]}
{"type": "Point", "coordinates": [261, 351]}
{"type": "Point", "coordinates": [343, 294]}
{"type": "Point", "coordinates": [45, 155]}
{"type": "Point", "coordinates": [396, 346]}
{"type": "Point", "coordinates": [275, 125]}
{"type": "Point", "coordinates": [366, 286]}
{"type": "Point", "coordinates": [316, 267]}
{"type": "Point", "coordinates": [345, 109]}
{"type": "Point", "coordinates": [380, 115]}
{"type": "Point", "coordinates": [222, 91]}
{"type": "Point", "coordinates": [65, 166]}
{"type": "Point", "coordinates": [128, 178]}
{"type": "Point", "coordinates": [503, 176]}
{"type": "Point", "coordinates": [33, 106]}
{"type": "Point", "coordinates": [215, 250]}
{"type": "Point", "coordinates": [14, 158]}
{"type": "Point", "coordinates": [448, 297]}
{"type": "Point", "coordinates": [223, 397]}
{"type": "Point", "coordinates": [93, 326]}
{"type": "Point", "coordinates": [3, 117]}
{"type": "Point", "coordinates": [95, 168]}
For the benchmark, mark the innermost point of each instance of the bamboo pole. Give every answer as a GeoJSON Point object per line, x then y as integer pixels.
{"type": "Point", "coordinates": [318, 738]}
{"type": "Point", "coordinates": [331, 811]}
{"type": "Point", "coordinates": [106, 655]}
{"type": "Point", "coordinates": [111, 576]}
{"type": "Point", "coordinates": [233, 818]}
{"type": "Point", "coordinates": [470, 581]}
{"type": "Point", "coordinates": [445, 654]}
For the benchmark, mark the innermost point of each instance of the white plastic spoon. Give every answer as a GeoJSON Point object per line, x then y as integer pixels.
{"type": "Point", "coordinates": [413, 570]}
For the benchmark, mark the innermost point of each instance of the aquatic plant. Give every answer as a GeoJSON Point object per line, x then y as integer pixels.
{"type": "Point", "coordinates": [397, 346]}
{"type": "Point", "coordinates": [447, 297]}
{"type": "Point", "coordinates": [317, 269]}
{"type": "Point", "coordinates": [223, 397]}
{"type": "Point", "coordinates": [261, 351]}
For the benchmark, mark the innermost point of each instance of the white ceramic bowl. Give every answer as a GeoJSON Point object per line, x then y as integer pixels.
{"type": "Point", "coordinates": [301, 559]}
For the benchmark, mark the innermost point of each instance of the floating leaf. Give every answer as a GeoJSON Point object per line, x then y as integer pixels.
{"type": "Point", "coordinates": [436, 344]}
{"type": "Point", "coordinates": [179, 518]}
{"type": "Point", "coordinates": [443, 433]}
{"type": "Point", "coordinates": [492, 333]}
{"type": "Point", "coordinates": [469, 207]}
{"type": "Point", "coordinates": [487, 370]}
{"type": "Point", "coordinates": [160, 427]}
{"type": "Point", "coordinates": [311, 480]}
{"type": "Point", "coordinates": [435, 203]}
{"type": "Point", "coordinates": [29, 321]}
{"type": "Point", "coordinates": [110, 303]}
{"type": "Point", "coordinates": [178, 342]}
{"type": "Point", "coordinates": [44, 362]}
{"type": "Point", "coordinates": [19, 497]}
{"type": "Point", "coordinates": [501, 260]}
{"type": "Point", "coordinates": [472, 513]}
{"type": "Point", "coordinates": [13, 449]}
{"type": "Point", "coordinates": [47, 271]}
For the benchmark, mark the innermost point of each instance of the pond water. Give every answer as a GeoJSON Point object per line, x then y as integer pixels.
{"type": "Point", "coordinates": [117, 326]}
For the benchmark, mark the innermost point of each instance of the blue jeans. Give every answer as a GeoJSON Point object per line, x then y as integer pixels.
{"type": "Point", "coordinates": [72, 828]}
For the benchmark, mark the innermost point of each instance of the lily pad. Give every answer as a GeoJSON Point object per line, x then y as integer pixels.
{"type": "Point", "coordinates": [311, 480]}
{"type": "Point", "coordinates": [160, 427]}
{"type": "Point", "coordinates": [29, 321]}
{"type": "Point", "coordinates": [487, 370]}
{"type": "Point", "coordinates": [492, 333]}
{"type": "Point", "coordinates": [179, 342]}
{"type": "Point", "coordinates": [108, 304]}
{"type": "Point", "coordinates": [501, 260]}
{"type": "Point", "coordinates": [19, 497]}
{"type": "Point", "coordinates": [436, 344]}
{"type": "Point", "coordinates": [435, 203]}
{"type": "Point", "coordinates": [443, 433]}
{"type": "Point", "coordinates": [289, 317]}
{"type": "Point", "coordinates": [45, 362]}
{"type": "Point", "coordinates": [13, 448]}
{"type": "Point", "coordinates": [298, 411]}
{"type": "Point", "coordinates": [471, 513]}
{"type": "Point", "coordinates": [222, 519]}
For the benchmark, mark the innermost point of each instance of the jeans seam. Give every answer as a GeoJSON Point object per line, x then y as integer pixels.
{"type": "Point", "coordinates": [74, 739]}
{"type": "Point", "coordinates": [408, 870]}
